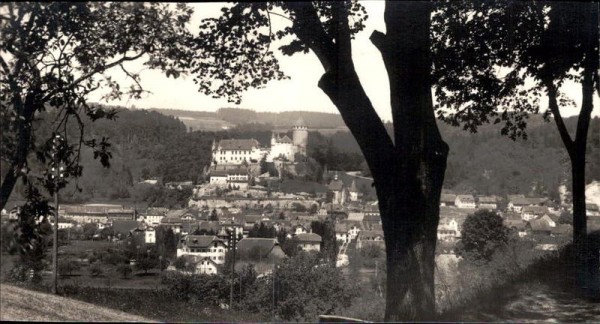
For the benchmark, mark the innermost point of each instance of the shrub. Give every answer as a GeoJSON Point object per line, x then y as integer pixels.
{"type": "Point", "coordinates": [96, 270]}
{"type": "Point", "coordinates": [482, 234]}
{"type": "Point", "coordinates": [207, 289]}
{"type": "Point", "coordinates": [305, 286]}
{"type": "Point", "coordinates": [183, 264]}
{"type": "Point", "coordinates": [113, 257]}
{"type": "Point", "coordinates": [124, 269]}
{"type": "Point", "coordinates": [146, 264]}
{"type": "Point", "coordinates": [7, 238]}
{"type": "Point", "coordinates": [66, 267]}
{"type": "Point", "coordinates": [371, 251]}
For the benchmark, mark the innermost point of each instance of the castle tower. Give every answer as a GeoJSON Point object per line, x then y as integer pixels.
{"type": "Point", "coordinates": [300, 136]}
{"type": "Point", "coordinates": [273, 139]}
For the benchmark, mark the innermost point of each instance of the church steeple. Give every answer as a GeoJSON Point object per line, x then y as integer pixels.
{"type": "Point", "coordinates": [353, 187]}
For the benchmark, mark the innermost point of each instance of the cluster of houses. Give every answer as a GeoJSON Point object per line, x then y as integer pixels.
{"type": "Point", "coordinates": [524, 215]}
{"type": "Point", "coordinates": [206, 226]}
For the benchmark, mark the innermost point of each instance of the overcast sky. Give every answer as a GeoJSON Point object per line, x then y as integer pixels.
{"type": "Point", "coordinates": [300, 92]}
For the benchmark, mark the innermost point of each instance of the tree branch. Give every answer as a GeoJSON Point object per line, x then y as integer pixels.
{"type": "Point", "coordinates": [342, 85]}
{"type": "Point", "coordinates": [309, 29]}
{"type": "Point", "coordinates": [277, 14]}
{"type": "Point", "coordinates": [90, 74]}
{"type": "Point", "coordinates": [560, 124]}
{"type": "Point", "coordinates": [590, 69]}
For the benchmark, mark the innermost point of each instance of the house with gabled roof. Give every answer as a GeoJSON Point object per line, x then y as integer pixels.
{"type": "Point", "coordinates": [531, 212]}
{"type": "Point", "coordinates": [370, 220]}
{"type": "Point", "coordinates": [465, 201]}
{"type": "Point", "coordinates": [308, 242]}
{"type": "Point", "coordinates": [370, 237]}
{"type": "Point", "coordinates": [299, 228]}
{"type": "Point", "coordinates": [236, 151]}
{"type": "Point", "coordinates": [203, 246]}
{"type": "Point", "coordinates": [336, 186]}
{"type": "Point", "coordinates": [341, 232]}
{"type": "Point", "coordinates": [123, 228]}
{"type": "Point", "coordinates": [154, 215]}
{"type": "Point", "coordinates": [487, 202]}
{"type": "Point", "coordinates": [264, 248]}
{"type": "Point", "coordinates": [448, 229]}
{"type": "Point", "coordinates": [447, 200]}
{"type": "Point", "coordinates": [354, 227]}
{"type": "Point", "coordinates": [517, 225]}
{"type": "Point", "coordinates": [236, 177]}
{"type": "Point", "coordinates": [174, 223]}
{"type": "Point", "coordinates": [540, 226]}
{"type": "Point", "coordinates": [356, 216]}
{"type": "Point", "coordinates": [207, 266]}
{"type": "Point", "coordinates": [516, 203]}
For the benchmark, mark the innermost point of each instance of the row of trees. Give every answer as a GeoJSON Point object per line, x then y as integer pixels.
{"type": "Point", "coordinates": [299, 289]}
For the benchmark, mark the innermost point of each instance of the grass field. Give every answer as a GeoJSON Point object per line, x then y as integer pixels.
{"type": "Point", "coordinates": [20, 304]}
{"type": "Point", "coordinates": [81, 246]}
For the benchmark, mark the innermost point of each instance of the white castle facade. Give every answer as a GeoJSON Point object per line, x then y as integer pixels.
{"type": "Point", "coordinates": [236, 152]}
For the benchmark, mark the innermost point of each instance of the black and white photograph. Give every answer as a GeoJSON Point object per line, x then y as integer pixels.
{"type": "Point", "coordinates": [300, 161]}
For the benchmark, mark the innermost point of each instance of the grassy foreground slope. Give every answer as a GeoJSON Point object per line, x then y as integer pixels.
{"type": "Point", "coordinates": [18, 304]}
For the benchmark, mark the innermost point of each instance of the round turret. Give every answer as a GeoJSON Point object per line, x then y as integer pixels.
{"type": "Point", "coordinates": [300, 136]}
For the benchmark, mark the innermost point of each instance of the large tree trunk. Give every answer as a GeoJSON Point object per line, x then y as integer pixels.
{"type": "Point", "coordinates": [408, 172]}
{"type": "Point", "coordinates": [410, 207]}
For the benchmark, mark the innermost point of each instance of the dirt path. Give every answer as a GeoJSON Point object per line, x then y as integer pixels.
{"type": "Point", "coordinates": [536, 302]}
{"type": "Point", "coordinates": [18, 304]}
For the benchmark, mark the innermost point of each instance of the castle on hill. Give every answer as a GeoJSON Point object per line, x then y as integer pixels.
{"type": "Point", "coordinates": [233, 153]}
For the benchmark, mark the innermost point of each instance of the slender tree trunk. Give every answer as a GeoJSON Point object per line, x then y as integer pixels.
{"type": "Point", "coordinates": [19, 160]}
{"type": "Point", "coordinates": [587, 252]}
{"type": "Point", "coordinates": [578, 190]}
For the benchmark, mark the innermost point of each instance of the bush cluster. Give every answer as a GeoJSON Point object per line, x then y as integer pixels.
{"type": "Point", "coordinates": [207, 289]}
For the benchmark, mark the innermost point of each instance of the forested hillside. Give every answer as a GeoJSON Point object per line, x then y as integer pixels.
{"type": "Point", "coordinates": [147, 144]}
{"type": "Point", "coordinates": [488, 163]}
{"type": "Point", "coordinates": [236, 116]}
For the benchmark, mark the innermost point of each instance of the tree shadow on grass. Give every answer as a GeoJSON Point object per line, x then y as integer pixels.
{"type": "Point", "coordinates": [149, 274]}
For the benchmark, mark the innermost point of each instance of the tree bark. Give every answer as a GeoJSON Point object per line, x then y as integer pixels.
{"type": "Point", "coordinates": [587, 252]}
{"type": "Point", "coordinates": [411, 214]}
{"type": "Point", "coordinates": [25, 111]}
{"type": "Point", "coordinates": [408, 173]}
{"type": "Point", "coordinates": [577, 148]}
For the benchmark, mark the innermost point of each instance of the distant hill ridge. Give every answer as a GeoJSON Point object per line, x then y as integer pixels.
{"type": "Point", "coordinates": [235, 116]}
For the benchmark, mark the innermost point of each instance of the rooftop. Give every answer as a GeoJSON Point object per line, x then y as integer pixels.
{"type": "Point", "coordinates": [265, 245]}
{"type": "Point", "coordinates": [309, 237]}
{"type": "Point", "coordinates": [468, 198]}
{"type": "Point", "coordinates": [370, 235]}
{"type": "Point", "coordinates": [200, 241]}
{"type": "Point", "coordinates": [238, 144]}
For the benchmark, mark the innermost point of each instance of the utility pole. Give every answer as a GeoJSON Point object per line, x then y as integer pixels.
{"type": "Point", "coordinates": [233, 242]}
{"type": "Point", "coordinates": [57, 173]}
{"type": "Point", "coordinates": [55, 243]}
